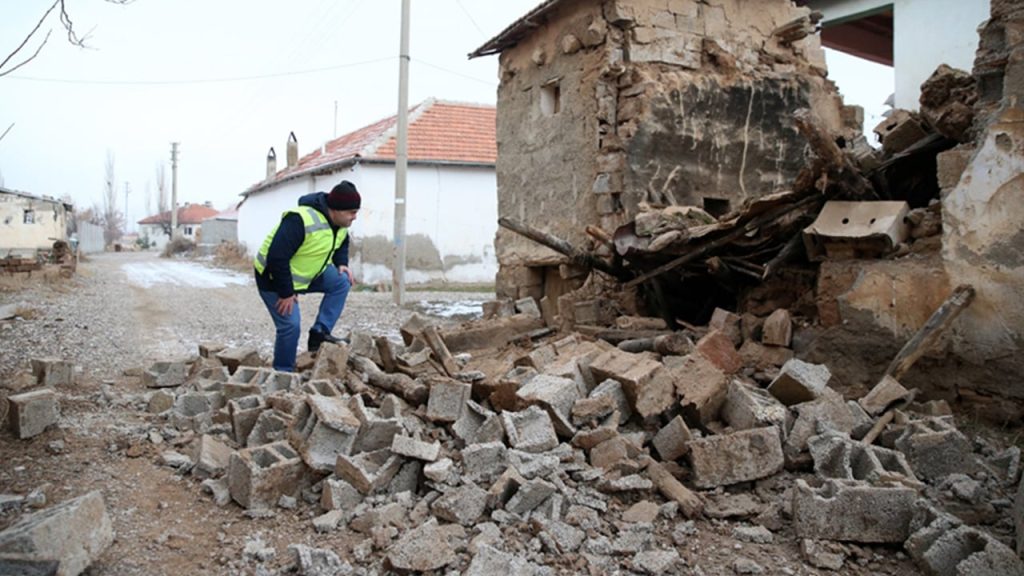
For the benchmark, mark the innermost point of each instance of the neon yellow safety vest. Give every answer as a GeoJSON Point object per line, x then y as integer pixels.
{"type": "Point", "coordinates": [315, 252]}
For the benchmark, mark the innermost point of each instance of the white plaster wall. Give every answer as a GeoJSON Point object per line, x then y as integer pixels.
{"type": "Point", "coordinates": [926, 33]}
{"type": "Point", "coordinates": [48, 223]}
{"type": "Point", "coordinates": [158, 239]}
{"type": "Point", "coordinates": [461, 221]}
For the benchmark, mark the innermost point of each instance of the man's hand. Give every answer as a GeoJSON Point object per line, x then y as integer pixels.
{"type": "Point", "coordinates": [284, 306]}
{"type": "Point", "coordinates": [345, 270]}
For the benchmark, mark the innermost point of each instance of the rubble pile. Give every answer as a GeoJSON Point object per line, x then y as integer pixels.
{"type": "Point", "coordinates": [519, 450]}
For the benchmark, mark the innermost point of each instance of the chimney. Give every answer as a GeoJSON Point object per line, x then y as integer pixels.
{"type": "Point", "coordinates": [293, 151]}
{"type": "Point", "coordinates": [271, 163]}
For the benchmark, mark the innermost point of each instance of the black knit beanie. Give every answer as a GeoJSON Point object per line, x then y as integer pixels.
{"type": "Point", "coordinates": [344, 196]}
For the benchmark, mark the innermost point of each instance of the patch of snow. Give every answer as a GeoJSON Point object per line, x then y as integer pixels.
{"type": "Point", "coordinates": [146, 274]}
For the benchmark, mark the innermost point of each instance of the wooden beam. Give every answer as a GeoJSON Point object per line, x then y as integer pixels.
{"type": "Point", "coordinates": [932, 330]}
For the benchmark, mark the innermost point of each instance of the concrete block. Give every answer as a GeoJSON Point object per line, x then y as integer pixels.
{"type": "Point", "coordinates": [530, 430]}
{"type": "Point", "coordinates": [777, 329]}
{"type": "Point", "coordinates": [272, 381]}
{"type": "Point", "coordinates": [338, 494]}
{"type": "Point", "coordinates": [165, 374]}
{"type": "Point", "coordinates": [853, 512]}
{"type": "Point", "coordinates": [192, 411]}
{"type": "Point", "coordinates": [529, 496]}
{"type": "Point", "coordinates": [244, 413]}
{"type": "Point", "coordinates": [469, 423]}
{"type": "Point", "coordinates": [447, 400]}
{"type": "Point", "coordinates": [764, 357]}
{"type": "Point", "coordinates": [463, 505]}
{"type": "Point", "coordinates": [233, 358]}
{"type": "Point", "coordinates": [799, 382]}
{"type": "Point", "coordinates": [440, 471]}
{"type": "Point", "coordinates": [270, 426]}
{"type": "Point", "coordinates": [324, 429]}
{"type": "Point", "coordinates": [935, 448]}
{"type": "Point", "coordinates": [592, 409]}
{"type": "Point", "coordinates": [53, 372]}
{"type": "Point", "coordinates": [612, 452]}
{"type": "Point", "coordinates": [837, 456]}
{"type": "Point", "coordinates": [737, 457]}
{"type": "Point", "coordinates": [487, 460]}
{"type": "Point", "coordinates": [235, 390]}
{"type": "Point", "coordinates": [368, 471]}
{"type": "Point", "coordinates": [647, 386]}
{"type": "Point", "coordinates": [422, 549]}
{"type": "Point", "coordinates": [211, 457]}
{"type": "Point", "coordinates": [701, 386]}
{"type": "Point", "coordinates": [492, 333]}
{"type": "Point", "coordinates": [504, 487]}
{"type": "Point", "coordinates": [488, 561]}
{"type": "Point", "coordinates": [828, 412]}
{"type": "Point", "coordinates": [672, 441]}
{"type": "Point", "coordinates": [331, 362]}
{"type": "Point", "coordinates": [528, 306]}
{"type": "Point", "coordinates": [613, 389]}
{"type": "Point", "coordinates": [727, 323]}
{"type": "Point", "coordinates": [323, 387]}
{"type": "Point", "coordinates": [554, 394]}
{"type": "Point", "coordinates": [719, 349]}
{"type": "Point", "coordinates": [899, 131]}
{"type": "Point", "coordinates": [375, 432]}
{"type": "Point", "coordinates": [887, 391]}
{"type": "Point", "coordinates": [258, 477]}
{"type": "Point", "coordinates": [74, 533]}
{"type": "Point", "coordinates": [749, 407]}
{"type": "Point", "coordinates": [416, 448]}
{"type": "Point", "coordinates": [211, 349]}
{"type": "Point", "coordinates": [30, 413]}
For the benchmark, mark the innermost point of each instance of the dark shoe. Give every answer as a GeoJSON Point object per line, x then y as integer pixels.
{"type": "Point", "coordinates": [318, 338]}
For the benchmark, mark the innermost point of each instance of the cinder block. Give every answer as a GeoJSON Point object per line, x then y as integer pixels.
{"type": "Point", "coordinates": [701, 386]}
{"type": "Point", "coordinates": [838, 457]}
{"type": "Point", "coordinates": [339, 495]}
{"type": "Point", "coordinates": [375, 433]}
{"type": "Point", "coordinates": [719, 349]}
{"type": "Point", "coordinates": [593, 408]}
{"type": "Point", "coordinates": [368, 471]}
{"type": "Point", "coordinates": [853, 512]}
{"type": "Point", "coordinates": [270, 426]}
{"type": "Point", "coordinates": [672, 441]}
{"type": "Point", "coordinates": [165, 374]}
{"type": "Point", "coordinates": [935, 448]}
{"type": "Point", "coordinates": [211, 457]}
{"type": "Point", "coordinates": [233, 358]}
{"type": "Point", "coordinates": [324, 429]}
{"type": "Point", "coordinates": [75, 533]}
{"type": "Point", "coordinates": [828, 412]}
{"type": "Point", "coordinates": [192, 411]}
{"type": "Point", "coordinates": [258, 477]}
{"type": "Point", "coordinates": [53, 372]}
{"type": "Point", "coordinates": [899, 131]}
{"type": "Point", "coordinates": [447, 400]}
{"type": "Point", "coordinates": [799, 382]}
{"type": "Point", "coordinates": [777, 329]}
{"type": "Point", "coordinates": [549, 392]}
{"type": "Point", "coordinates": [748, 407]}
{"type": "Point", "coordinates": [416, 448]}
{"type": "Point", "coordinates": [244, 412]}
{"type": "Point", "coordinates": [737, 457]}
{"type": "Point", "coordinates": [482, 461]}
{"type": "Point", "coordinates": [331, 362]}
{"type": "Point", "coordinates": [323, 388]}
{"type": "Point", "coordinates": [613, 389]}
{"type": "Point", "coordinates": [30, 413]}
{"type": "Point", "coordinates": [530, 430]}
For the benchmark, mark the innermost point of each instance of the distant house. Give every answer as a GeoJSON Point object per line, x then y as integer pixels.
{"type": "Point", "coordinates": [451, 193]}
{"type": "Point", "coordinates": [29, 223]}
{"type": "Point", "coordinates": [219, 228]}
{"type": "Point", "coordinates": [190, 221]}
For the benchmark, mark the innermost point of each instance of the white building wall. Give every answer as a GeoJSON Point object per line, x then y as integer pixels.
{"type": "Point", "coordinates": [926, 33]}
{"type": "Point", "coordinates": [461, 222]}
{"type": "Point", "coordinates": [30, 224]}
{"type": "Point", "coordinates": [158, 239]}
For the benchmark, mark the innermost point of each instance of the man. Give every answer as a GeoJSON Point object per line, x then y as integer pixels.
{"type": "Point", "coordinates": [307, 252]}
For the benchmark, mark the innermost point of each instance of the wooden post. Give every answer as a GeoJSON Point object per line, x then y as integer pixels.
{"type": "Point", "coordinates": [440, 350]}
{"type": "Point", "coordinates": [932, 330]}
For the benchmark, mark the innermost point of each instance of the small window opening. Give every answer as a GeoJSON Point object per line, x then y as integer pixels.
{"type": "Point", "coordinates": [717, 207]}
{"type": "Point", "coordinates": [30, 217]}
{"type": "Point", "coordinates": [550, 98]}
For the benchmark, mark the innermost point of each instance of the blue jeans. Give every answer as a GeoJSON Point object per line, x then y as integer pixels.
{"type": "Point", "coordinates": [334, 286]}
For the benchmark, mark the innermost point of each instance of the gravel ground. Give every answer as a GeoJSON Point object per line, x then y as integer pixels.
{"type": "Point", "coordinates": [106, 319]}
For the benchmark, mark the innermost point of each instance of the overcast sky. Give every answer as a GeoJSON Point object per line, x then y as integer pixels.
{"type": "Point", "coordinates": [228, 79]}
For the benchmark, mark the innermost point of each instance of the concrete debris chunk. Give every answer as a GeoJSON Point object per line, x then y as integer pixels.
{"type": "Point", "coordinates": [463, 505]}
{"type": "Point", "coordinates": [719, 349]}
{"type": "Point", "coordinates": [701, 386]}
{"type": "Point", "coordinates": [447, 400]}
{"type": "Point", "coordinates": [243, 413]}
{"type": "Point", "coordinates": [53, 372]}
{"type": "Point", "coordinates": [489, 561]}
{"type": "Point", "coordinates": [817, 554]}
{"type": "Point", "coordinates": [644, 380]}
{"type": "Point", "coordinates": [935, 448]}
{"type": "Point", "coordinates": [777, 329]}
{"type": "Point", "coordinates": [31, 413]}
{"type": "Point", "coordinates": [885, 393]}
{"type": "Point", "coordinates": [554, 394]}
{"type": "Point", "coordinates": [165, 374]}
{"type": "Point", "coordinates": [799, 382]}
{"type": "Point", "coordinates": [233, 358]}
{"type": "Point", "coordinates": [421, 549]}
{"type": "Point", "coordinates": [853, 512]}
{"type": "Point", "coordinates": [324, 429]}
{"type": "Point", "coordinates": [837, 456]}
{"type": "Point", "coordinates": [338, 494]}
{"type": "Point", "coordinates": [259, 476]}
{"type": "Point", "coordinates": [672, 441]}
{"type": "Point", "coordinates": [828, 412]}
{"type": "Point", "coordinates": [75, 533]}
{"type": "Point", "coordinates": [331, 362]}
{"type": "Point", "coordinates": [727, 323]}
{"type": "Point", "coordinates": [368, 471]}
{"type": "Point", "coordinates": [530, 495]}
{"type": "Point", "coordinates": [211, 458]}
{"type": "Point", "coordinates": [415, 448]}
{"type": "Point", "coordinates": [613, 389]}
{"type": "Point", "coordinates": [737, 457]}
{"type": "Point", "coordinates": [530, 430]}
{"type": "Point", "coordinates": [317, 561]}
{"type": "Point", "coordinates": [749, 407]}
{"type": "Point", "coordinates": [270, 426]}
{"type": "Point", "coordinates": [764, 357]}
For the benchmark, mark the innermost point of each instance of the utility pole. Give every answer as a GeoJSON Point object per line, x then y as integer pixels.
{"type": "Point", "coordinates": [174, 190]}
{"type": "Point", "coordinates": [127, 189]}
{"type": "Point", "coordinates": [401, 160]}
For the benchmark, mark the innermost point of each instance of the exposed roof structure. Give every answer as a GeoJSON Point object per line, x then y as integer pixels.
{"type": "Point", "coordinates": [188, 214]}
{"type": "Point", "coordinates": [439, 133]}
{"type": "Point", "coordinates": [516, 31]}
{"type": "Point", "coordinates": [35, 197]}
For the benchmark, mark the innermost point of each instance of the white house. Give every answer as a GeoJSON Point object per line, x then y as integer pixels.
{"type": "Point", "coordinates": [451, 193]}
{"type": "Point", "coordinates": [190, 223]}
{"type": "Point", "coordinates": [29, 223]}
{"type": "Point", "coordinates": [912, 36]}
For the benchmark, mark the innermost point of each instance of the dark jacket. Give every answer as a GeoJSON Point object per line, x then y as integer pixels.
{"type": "Point", "coordinates": [277, 277]}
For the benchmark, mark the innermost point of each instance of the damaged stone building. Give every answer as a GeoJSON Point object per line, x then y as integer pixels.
{"type": "Point", "coordinates": [692, 105]}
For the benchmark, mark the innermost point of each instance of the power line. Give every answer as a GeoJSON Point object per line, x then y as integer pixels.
{"type": "Point", "coordinates": [203, 80]}
{"type": "Point", "coordinates": [453, 72]}
{"type": "Point", "coordinates": [470, 16]}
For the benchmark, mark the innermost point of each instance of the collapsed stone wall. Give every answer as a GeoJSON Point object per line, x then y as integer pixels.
{"type": "Point", "coordinates": [607, 106]}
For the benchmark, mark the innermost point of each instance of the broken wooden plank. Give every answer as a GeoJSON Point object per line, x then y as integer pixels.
{"type": "Point", "coordinates": [387, 354]}
{"type": "Point", "coordinates": [440, 350]}
{"type": "Point", "coordinates": [933, 329]}
{"type": "Point", "coordinates": [561, 246]}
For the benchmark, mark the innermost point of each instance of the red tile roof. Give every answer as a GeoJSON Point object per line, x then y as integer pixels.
{"type": "Point", "coordinates": [439, 132]}
{"type": "Point", "coordinates": [188, 214]}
